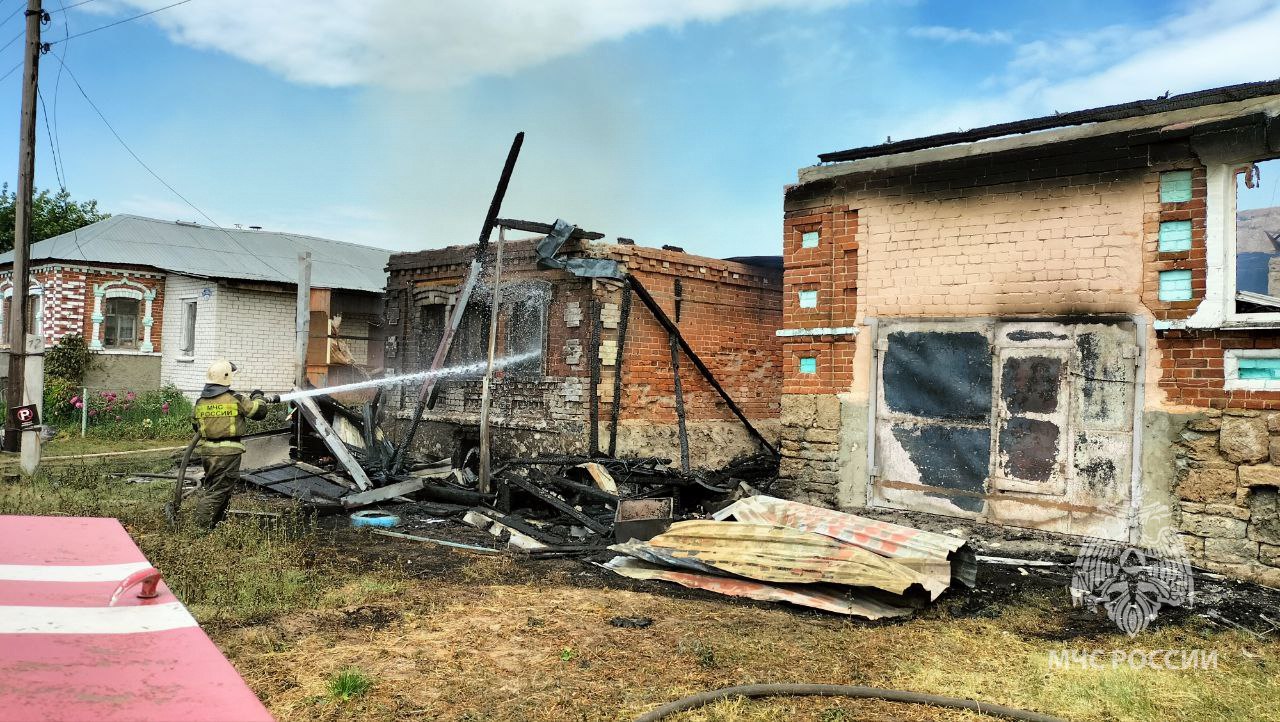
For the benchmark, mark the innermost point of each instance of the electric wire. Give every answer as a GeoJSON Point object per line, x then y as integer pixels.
{"type": "Point", "coordinates": [12, 70]}
{"type": "Point", "coordinates": [65, 8]}
{"type": "Point", "coordinates": [71, 74]}
{"type": "Point", "coordinates": [53, 149]}
{"type": "Point", "coordinates": [120, 22]}
{"type": "Point", "coordinates": [21, 6]}
{"type": "Point", "coordinates": [14, 39]}
{"type": "Point", "coordinates": [55, 141]}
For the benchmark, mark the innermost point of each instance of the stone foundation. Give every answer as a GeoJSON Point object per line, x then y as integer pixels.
{"type": "Point", "coordinates": [1228, 473]}
{"type": "Point", "coordinates": [809, 470]}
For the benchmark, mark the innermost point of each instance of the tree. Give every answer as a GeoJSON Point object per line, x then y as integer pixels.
{"type": "Point", "coordinates": [52, 214]}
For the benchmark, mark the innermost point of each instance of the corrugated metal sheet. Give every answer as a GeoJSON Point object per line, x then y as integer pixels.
{"type": "Point", "coordinates": [810, 595]}
{"type": "Point", "coordinates": [776, 554]}
{"type": "Point", "coordinates": [937, 557]}
{"type": "Point", "coordinates": [217, 253]}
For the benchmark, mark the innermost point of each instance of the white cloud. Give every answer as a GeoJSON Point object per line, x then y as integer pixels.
{"type": "Point", "coordinates": [433, 44]}
{"type": "Point", "coordinates": [1213, 44]}
{"type": "Point", "coordinates": [945, 34]}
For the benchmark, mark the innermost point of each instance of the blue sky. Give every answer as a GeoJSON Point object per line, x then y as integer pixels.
{"type": "Point", "coordinates": [668, 121]}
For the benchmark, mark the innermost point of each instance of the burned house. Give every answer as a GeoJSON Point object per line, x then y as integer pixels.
{"type": "Point", "coordinates": [590, 365]}
{"type": "Point", "coordinates": [1068, 323]}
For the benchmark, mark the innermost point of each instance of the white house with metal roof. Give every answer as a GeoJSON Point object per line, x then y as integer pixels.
{"type": "Point", "coordinates": [160, 300]}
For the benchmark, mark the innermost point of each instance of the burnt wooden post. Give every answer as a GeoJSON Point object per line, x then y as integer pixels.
{"type": "Point", "coordinates": [494, 306]}
{"type": "Point", "coordinates": [673, 330]}
{"type": "Point", "coordinates": [593, 433]}
{"type": "Point", "coordinates": [679, 391]}
{"type": "Point", "coordinates": [617, 368]}
{"type": "Point", "coordinates": [446, 339]}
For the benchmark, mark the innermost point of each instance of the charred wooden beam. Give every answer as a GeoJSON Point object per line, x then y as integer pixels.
{"type": "Point", "coordinates": [558, 504]}
{"type": "Point", "coordinates": [522, 526]}
{"type": "Point", "coordinates": [593, 431]}
{"type": "Point", "coordinates": [674, 330]}
{"type": "Point", "coordinates": [500, 192]}
{"type": "Point", "coordinates": [573, 486]}
{"type": "Point", "coordinates": [679, 393]}
{"type": "Point", "coordinates": [437, 362]}
{"type": "Point", "coordinates": [545, 228]}
{"type": "Point", "coordinates": [617, 369]}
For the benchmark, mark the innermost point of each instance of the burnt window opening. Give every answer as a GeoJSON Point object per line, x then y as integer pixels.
{"type": "Point", "coordinates": [470, 342]}
{"type": "Point", "coordinates": [522, 331]}
{"type": "Point", "coordinates": [1257, 237]}
{"type": "Point", "coordinates": [525, 323]}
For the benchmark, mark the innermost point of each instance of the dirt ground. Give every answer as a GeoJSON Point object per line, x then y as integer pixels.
{"type": "Point", "coordinates": [445, 634]}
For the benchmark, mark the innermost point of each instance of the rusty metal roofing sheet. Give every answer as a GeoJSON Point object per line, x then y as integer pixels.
{"type": "Point", "coordinates": [209, 251]}
{"type": "Point", "coordinates": [776, 554]}
{"type": "Point", "coordinates": [817, 596]}
{"type": "Point", "coordinates": [937, 557]}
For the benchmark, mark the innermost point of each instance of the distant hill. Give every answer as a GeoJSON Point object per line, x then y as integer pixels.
{"type": "Point", "coordinates": [1254, 248]}
{"type": "Point", "coordinates": [1252, 227]}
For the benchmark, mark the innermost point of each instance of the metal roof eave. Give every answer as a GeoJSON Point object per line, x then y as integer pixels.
{"type": "Point", "coordinates": [1182, 119]}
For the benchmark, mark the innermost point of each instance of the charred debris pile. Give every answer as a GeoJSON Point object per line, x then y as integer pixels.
{"type": "Point", "coordinates": [640, 518]}
{"type": "Point", "coordinates": [342, 461]}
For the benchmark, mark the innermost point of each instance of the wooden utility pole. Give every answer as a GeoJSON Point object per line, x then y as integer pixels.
{"type": "Point", "coordinates": [303, 321]}
{"type": "Point", "coordinates": [494, 306]}
{"type": "Point", "coordinates": [22, 227]}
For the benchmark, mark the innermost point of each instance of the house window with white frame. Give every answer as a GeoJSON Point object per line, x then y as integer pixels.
{"type": "Point", "coordinates": [187, 348]}
{"type": "Point", "coordinates": [120, 323]}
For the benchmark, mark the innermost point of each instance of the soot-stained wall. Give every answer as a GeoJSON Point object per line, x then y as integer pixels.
{"type": "Point", "coordinates": [728, 312]}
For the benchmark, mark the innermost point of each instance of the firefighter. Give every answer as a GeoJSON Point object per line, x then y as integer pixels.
{"type": "Point", "coordinates": [220, 417]}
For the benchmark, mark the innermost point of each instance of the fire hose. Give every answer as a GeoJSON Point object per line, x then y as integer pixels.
{"type": "Point", "coordinates": [840, 690]}
{"type": "Point", "coordinates": [174, 506]}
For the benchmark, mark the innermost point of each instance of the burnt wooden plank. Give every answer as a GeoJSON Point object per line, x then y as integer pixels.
{"type": "Point", "coordinates": [559, 504]}
{"type": "Point", "coordinates": [545, 228]}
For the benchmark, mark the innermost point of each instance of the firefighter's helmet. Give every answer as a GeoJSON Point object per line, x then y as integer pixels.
{"type": "Point", "coordinates": [220, 372]}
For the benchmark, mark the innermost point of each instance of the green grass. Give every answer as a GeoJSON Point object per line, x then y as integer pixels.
{"type": "Point", "coordinates": [348, 684]}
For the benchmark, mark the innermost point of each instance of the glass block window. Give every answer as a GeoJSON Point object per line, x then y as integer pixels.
{"type": "Point", "coordinates": [808, 299]}
{"type": "Point", "coordinates": [1175, 236]}
{"type": "Point", "coordinates": [808, 365]}
{"type": "Point", "coordinates": [1259, 368]}
{"type": "Point", "coordinates": [809, 239]}
{"type": "Point", "coordinates": [1175, 286]}
{"type": "Point", "coordinates": [1251, 369]}
{"type": "Point", "coordinates": [1175, 186]}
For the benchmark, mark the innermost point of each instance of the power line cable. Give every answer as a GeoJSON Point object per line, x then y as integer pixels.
{"type": "Point", "coordinates": [12, 70]}
{"type": "Point", "coordinates": [53, 149]}
{"type": "Point", "coordinates": [22, 5]}
{"type": "Point", "coordinates": [14, 39]}
{"type": "Point", "coordinates": [120, 22]}
{"type": "Point", "coordinates": [57, 83]}
{"type": "Point", "coordinates": [65, 8]}
{"type": "Point", "coordinates": [155, 175]}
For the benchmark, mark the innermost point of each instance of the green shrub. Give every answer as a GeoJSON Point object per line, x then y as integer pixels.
{"type": "Point", "coordinates": [69, 359]}
{"type": "Point", "coordinates": [60, 398]}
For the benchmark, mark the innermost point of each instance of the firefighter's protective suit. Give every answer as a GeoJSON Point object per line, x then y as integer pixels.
{"type": "Point", "coordinates": [221, 417]}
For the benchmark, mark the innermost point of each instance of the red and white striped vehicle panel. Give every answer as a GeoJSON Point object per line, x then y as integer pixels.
{"type": "Point", "coordinates": [67, 652]}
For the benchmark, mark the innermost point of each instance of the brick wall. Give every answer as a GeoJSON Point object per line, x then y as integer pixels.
{"type": "Point", "coordinates": [255, 331]}
{"type": "Point", "coordinates": [728, 313]}
{"type": "Point", "coordinates": [187, 373]}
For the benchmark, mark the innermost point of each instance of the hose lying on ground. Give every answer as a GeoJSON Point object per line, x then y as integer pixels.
{"type": "Point", "coordinates": [174, 507]}
{"type": "Point", "coordinates": [840, 690]}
